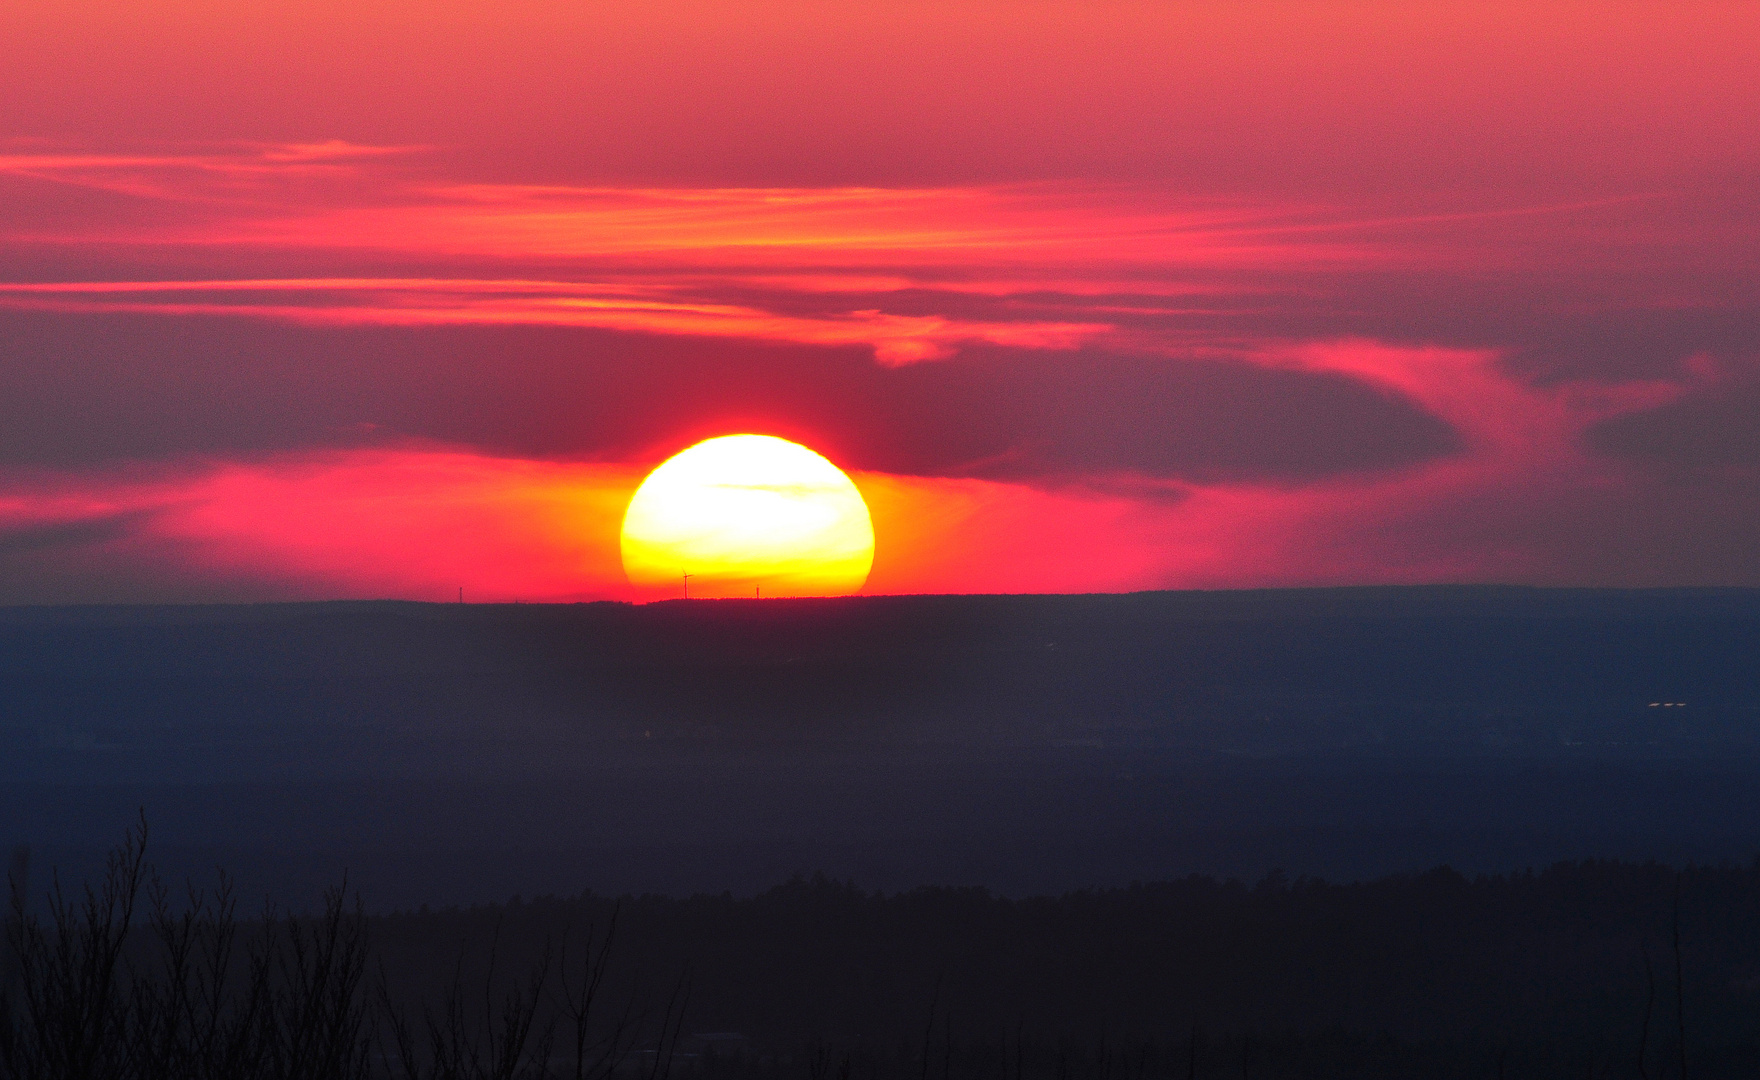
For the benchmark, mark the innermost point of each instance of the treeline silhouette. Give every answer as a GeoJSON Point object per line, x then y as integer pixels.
{"type": "Point", "coordinates": [1594, 969]}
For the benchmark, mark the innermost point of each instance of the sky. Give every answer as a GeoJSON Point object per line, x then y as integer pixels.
{"type": "Point", "coordinates": [315, 300]}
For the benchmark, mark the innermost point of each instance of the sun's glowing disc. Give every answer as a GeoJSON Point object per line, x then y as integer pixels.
{"type": "Point", "coordinates": [745, 515]}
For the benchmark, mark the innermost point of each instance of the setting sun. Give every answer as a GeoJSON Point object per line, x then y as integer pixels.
{"type": "Point", "coordinates": [746, 515]}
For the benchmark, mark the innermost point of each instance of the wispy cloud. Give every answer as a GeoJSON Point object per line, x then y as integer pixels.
{"type": "Point", "coordinates": [656, 309]}
{"type": "Point", "coordinates": [752, 263]}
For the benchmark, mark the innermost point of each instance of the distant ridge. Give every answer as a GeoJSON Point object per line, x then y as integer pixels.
{"type": "Point", "coordinates": [1338, 597]}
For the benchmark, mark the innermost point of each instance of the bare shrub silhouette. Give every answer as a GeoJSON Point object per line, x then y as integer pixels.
{"type": "Point", "coordinates": [120, 983]}
{"type": "Point", "coordinates": [68, 1016]}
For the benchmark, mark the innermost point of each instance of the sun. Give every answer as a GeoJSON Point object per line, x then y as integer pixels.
{"type": "Point", "coordinates": [748, 515]}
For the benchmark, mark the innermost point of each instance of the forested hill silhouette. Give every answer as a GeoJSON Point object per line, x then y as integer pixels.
{"type": "Point", "coordinates": [1558, 965]}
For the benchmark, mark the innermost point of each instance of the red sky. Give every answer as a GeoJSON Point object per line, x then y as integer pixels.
{"type": "Point", "coordinates": [325, 299]}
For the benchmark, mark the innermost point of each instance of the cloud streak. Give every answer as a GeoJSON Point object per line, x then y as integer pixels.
{"type": "Point", "coordinates": [895, 339]}
{"type": "Point", "coordinates": [1034, 266]}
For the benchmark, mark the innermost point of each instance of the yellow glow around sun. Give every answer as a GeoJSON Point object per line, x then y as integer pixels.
{"type": "Point", "coordinates": [745, 513]}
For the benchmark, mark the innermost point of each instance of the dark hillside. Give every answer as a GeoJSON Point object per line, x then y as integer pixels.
{"type": "Point", "coordinates": [1027, 743]}
{"type": "Point", "coordinates": [1399, 669]}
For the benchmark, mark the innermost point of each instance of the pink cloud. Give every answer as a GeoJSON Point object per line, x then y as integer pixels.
{"type": "Point", "coordinates": [660, 260]}
{"type": "Point", "coordinates": [410, 523]}
{"type": "Point", "coordinates": [1522, 504]}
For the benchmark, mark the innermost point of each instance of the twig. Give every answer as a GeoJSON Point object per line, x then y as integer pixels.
{"type": "Point", "coordinates": [1680, 1004]}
